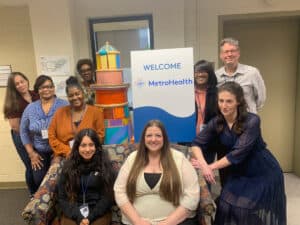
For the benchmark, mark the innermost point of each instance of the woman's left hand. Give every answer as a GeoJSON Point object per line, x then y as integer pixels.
{"type": "Point", "coordinates": [208, 174]}
{"type": "Point", "coordinates": [195, 163]}
{"type": "Point", "coordinates": [36, 160]}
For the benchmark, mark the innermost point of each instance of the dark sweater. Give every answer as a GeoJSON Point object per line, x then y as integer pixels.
{"type": "Point", "coordinates": [95, 197]}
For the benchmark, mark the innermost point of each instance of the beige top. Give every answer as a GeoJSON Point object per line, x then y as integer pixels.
{"type": "Point", "coordinates": [148, 203]}
{"type": "Point", "coordinates": [252, 83]}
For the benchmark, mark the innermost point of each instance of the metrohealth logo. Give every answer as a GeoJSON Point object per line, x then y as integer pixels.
{"type": "Point", "coordinates": [139, 83]}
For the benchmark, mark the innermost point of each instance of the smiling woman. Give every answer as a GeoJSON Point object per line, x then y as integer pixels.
{"type": "Point", "coordinates": [17, 97]}
{"type": "Point", "coordinates": [86, 70]}
{"type": "Point", "coordinates": [253, 191]}
{"type": "Point", "coordinates": [159, 178]}
{"type": "Point", "coordinates": [85, 192]}
{"type": "Point", "coordinates": [69, 120]}
{"type": "Point", "coordinates": [34, 127]}
{"type": "Point", "coordinates": [86, 148]}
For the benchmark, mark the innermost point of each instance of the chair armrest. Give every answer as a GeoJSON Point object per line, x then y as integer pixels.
{"type": "Point", "coordinates": [207, 207]}
{"type": "Point", "coordinates": [40, 210]}
{"type": "Point", "coordinates": [206, 204]}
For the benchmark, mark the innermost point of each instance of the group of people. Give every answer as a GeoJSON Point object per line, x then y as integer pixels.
{"type": "Point", "coordinates": [251, 178]}
{"type": "Point", "coordinates": [156, 184]}
{"type": "Point", "coordinates": [31, 114]}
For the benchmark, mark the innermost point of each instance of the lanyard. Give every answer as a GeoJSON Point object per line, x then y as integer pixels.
{"type": "Point", "coordinates": [84, 186]}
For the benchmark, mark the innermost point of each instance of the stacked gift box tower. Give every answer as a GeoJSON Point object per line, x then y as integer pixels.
{"type": "Point", "coordinates": [111, 96]}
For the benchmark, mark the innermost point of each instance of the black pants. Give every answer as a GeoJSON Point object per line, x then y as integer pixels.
{"type": "Point", "coordinates": [32, 187]}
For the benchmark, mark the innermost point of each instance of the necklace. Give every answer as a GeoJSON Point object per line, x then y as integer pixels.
{"type": "Point", "coordinates": [77, 115]}
{"type": "Point", "coordinates": [76, 118]}
{"type": "Point", "coordinates": [46, 105]}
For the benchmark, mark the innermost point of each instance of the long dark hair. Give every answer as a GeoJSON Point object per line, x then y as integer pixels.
{"type": "Point", "coordinates": [12, 96]}
{"type": "Point", "coordinates": [206, 66]}
{"type": "Point", "coordinates": [170, 187]}
{"type": "Point", "coordinates": [236, 90]}
{"type": "Point", "coordinates": [211, 93]}
{"type": "Point", "coordinates": [75, 166]}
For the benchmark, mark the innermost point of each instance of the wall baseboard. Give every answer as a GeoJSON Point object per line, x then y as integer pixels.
{"type": "Point", "coordinates": [13, 185]}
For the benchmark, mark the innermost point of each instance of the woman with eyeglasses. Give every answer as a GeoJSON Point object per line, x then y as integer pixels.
{"type": "Point", "coordinates": [86, 70]}
{"type": "Point", "coordinates": [17, 97]}
{"type": "Point", "coordinates": [34, 127]}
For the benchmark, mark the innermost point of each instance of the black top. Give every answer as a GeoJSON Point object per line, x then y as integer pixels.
{"type": "Point", "coordinates": [76, 123]}
{"type": "Point", "coordinates": [152, 179]}
{"type": "Point", "coordinates": [95, 197]}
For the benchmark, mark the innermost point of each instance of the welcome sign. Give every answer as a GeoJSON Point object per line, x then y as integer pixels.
{"type": "Point", "coordinates": [163, 89]}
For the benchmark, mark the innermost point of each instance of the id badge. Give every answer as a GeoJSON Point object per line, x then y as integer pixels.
{"type": "Point", "coordinates": [71, 143]}
{"type": "Point", "coordinates": [202, 126]}
{"type": "Point", "coordinates": [84, 210]}
{"type": "Point", "coordinates": [44, 134]}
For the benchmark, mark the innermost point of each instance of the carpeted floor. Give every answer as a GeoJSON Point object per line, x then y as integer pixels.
{"type": "Point", "coordinates": [12, 204]}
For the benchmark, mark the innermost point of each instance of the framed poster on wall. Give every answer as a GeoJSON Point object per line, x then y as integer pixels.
{"type": "Point", "coordinates": [5, 71]}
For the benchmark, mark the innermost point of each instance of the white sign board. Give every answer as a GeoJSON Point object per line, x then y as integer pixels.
{"type": "Point", "coordinates": [163, 89]}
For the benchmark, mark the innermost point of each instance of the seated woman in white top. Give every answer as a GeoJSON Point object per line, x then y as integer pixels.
{"type": "Point", "coordinates": [156, 184]}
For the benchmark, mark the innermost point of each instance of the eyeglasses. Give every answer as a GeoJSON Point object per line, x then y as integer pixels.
{"type": "Point", "coordinates": [230, 51]}
{"type": "Point", "coordinates": [85, 70]}
{"type": "Point", "coordinates": [46, 87]}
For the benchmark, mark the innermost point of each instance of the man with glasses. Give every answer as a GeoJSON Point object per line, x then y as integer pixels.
{"type": "Point", "coordinates": [86, 70]}
{"type": "Point", "coordinates": [247, 76]}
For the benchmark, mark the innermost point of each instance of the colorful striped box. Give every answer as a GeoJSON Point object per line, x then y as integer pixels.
{"type": "Point", "coordinates": [117, 131]}
{"type": "Point", "coordinates": [117, 112]}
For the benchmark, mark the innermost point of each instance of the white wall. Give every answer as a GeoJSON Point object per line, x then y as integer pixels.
{"type": "Point", "coordinates": [209, 12]}
{"type": "Point", "coordinates": [168, 19]}
{"type": "Point", "coordinates": [16, 50]}
{"type": "Point", "coordinates": [51, 29]}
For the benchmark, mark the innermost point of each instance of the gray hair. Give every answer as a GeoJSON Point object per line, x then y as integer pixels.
{"type": "Point", "coordinates": [230, 41]}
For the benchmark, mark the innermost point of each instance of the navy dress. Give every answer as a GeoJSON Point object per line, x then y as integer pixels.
{"type": "Point", "coordinates": [254, 192]}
